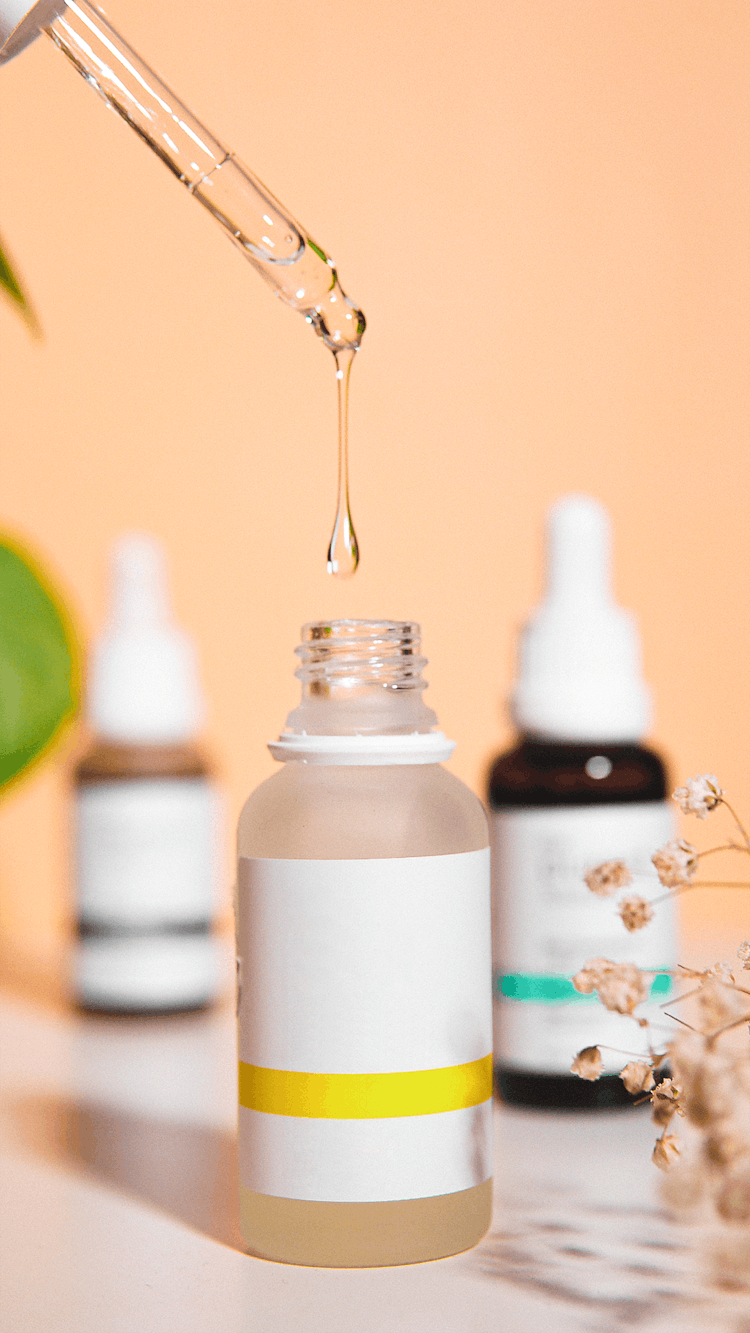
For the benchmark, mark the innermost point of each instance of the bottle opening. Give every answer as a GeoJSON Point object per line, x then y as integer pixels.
{"type": "Point", "coordinates": [361, 677]}
{"type": "Point", "coordinates": [356, 653]}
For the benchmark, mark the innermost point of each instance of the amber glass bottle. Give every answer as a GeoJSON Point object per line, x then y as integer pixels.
{"type": "Point", "coordinates": [572, 805]}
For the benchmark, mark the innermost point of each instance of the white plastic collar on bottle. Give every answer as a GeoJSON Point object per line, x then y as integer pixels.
{"type": "Point", "coordinates": [429, 747]}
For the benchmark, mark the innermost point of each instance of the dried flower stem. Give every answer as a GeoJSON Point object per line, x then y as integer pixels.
{"type": "Point", "coordinates": [736, 1022]}
{"type": "Point", "coordinates": [676, 998]}
{"type": "Point", "coordinates": [738, 822]}
{"type": "Point", "coordinates": [635, 1055]}
{"type": "Point", "coordinates": [681, 1021]}
{"type": "Point", "coordinates": [725, 847]}
{"type": "Point", "coordinates": [703, 884]}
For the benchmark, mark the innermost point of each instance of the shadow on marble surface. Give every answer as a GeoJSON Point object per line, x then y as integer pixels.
{"type": "Point", "coordinates": [594, 1245]}
{"type": "Point", "coordinates": [621, 1265]}
{"type": "Point", "coordinates": [187, 1171]}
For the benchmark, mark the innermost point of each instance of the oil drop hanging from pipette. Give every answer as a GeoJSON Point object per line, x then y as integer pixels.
{"type": "Point", "coordinates": [343, 548]}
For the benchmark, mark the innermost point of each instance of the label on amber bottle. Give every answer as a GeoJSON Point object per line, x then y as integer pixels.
{"type": "Point", "coordinates": [146, 852]}
{"type": "Point", "coordinates": [147, 879]}
{"type": "Point", "coordinates": [547, 924]}
{"type": "Point", "coordinates": [365, 1027]}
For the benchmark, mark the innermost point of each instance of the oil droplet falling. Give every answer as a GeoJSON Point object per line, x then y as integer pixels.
{"type": "Point", "coordinates": [343, 550]}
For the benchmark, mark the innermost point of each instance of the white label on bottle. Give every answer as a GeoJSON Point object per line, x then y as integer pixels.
{"type": "Point", "coordinates": [365, 1026]}
{"type": "Point", "coordinates": [547, 924]}
{"type": "Point", "coordinates": [149, 971]}
{"type": "Point", "coordinates": [147, 852]}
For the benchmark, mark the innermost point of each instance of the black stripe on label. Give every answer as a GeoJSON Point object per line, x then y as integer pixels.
{"type": "Point", "coordinates": [107, 930]}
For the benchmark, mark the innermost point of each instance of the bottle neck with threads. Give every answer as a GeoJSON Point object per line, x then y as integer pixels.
{"type": "Point", "coordinates": [362, 700]}
{"type": "Point", "coordinates": [359, 678]}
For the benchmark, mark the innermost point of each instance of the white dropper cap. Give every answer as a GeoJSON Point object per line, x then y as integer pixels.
{"type": "Point", "coordinates": [21, 21]}
{"type": "Point", "coordinates": [143, 677]}
{"type": "Point", "coordinates": [579, 659]}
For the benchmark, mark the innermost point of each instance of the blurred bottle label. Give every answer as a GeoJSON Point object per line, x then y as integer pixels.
{"type": "Point", "coordinates": [147, 853]}
{"type": "Point", "coordinates": [547, 923]}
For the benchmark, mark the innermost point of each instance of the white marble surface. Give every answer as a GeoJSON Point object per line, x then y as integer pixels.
{"type": "Point", "coordinates": [118, 1210]}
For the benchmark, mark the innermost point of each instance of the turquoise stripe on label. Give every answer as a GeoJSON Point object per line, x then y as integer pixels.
{"type": "Point", "coordinates": [554, 988]}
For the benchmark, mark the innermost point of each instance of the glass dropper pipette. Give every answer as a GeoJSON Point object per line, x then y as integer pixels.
{"type": "Point", "coordinates": [297, 269]}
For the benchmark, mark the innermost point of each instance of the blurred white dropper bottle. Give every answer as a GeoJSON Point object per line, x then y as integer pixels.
{"type": "Point", "coordinates": [146, 809]}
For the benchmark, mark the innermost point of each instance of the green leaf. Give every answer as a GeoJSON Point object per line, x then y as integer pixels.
{"type": "Point", "coordinates": [10, 284]}
{"type": "Point", "coordinates": [38, 664]}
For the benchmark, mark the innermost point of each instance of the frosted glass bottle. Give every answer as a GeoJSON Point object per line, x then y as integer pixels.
{"type": "Point", "coordinates": [364, 968]}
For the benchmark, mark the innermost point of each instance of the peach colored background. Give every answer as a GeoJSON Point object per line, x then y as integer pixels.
{"type": "Point", "coordinates": [542, 206]}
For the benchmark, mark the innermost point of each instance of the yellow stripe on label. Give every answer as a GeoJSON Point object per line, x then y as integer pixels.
{"type": "Point", "coordinates": [365, 1096]}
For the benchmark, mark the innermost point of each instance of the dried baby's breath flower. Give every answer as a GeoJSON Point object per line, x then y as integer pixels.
{"type": "Point", "coordinates": [637, 1076]}
{"type": "Point", "coordinates": [666, 1152]}
{"type": "Point", "coordinates": [684, 1186]}
{"type": "Point", "coordinates": [676, 863]}
{"type": "Point", "coordinates": [590, 975]}
{"type": "Point", "coordinates": [719, 1001]}
{"type": "Point", "coordinates": [606, 879]}
{"type": "Point", "coordinates": [621, 986]}
{"type": "Point", "coordinates": [709, 1055]}
{"type": "Point", "coordinates": [588, 1064]}
{"type": "Point", "coordinates": [733, 1199]}
{"type": "Point", "coordinates": [724, 1147]}
{"type": "Point", "coordinates": [636, 912]}
{"type": "Point", "coordinates": [665, 1101]}
{"type": "Point", "coordinates": [731, 1259]}
{"type": "Point", "coordinates": [707, 1077]}
{"type": "Point", "coordinates": [699, 795]}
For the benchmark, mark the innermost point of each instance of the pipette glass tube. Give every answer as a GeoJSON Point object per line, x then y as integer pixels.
{"type": "Point", "coordinates": [298, 270]}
